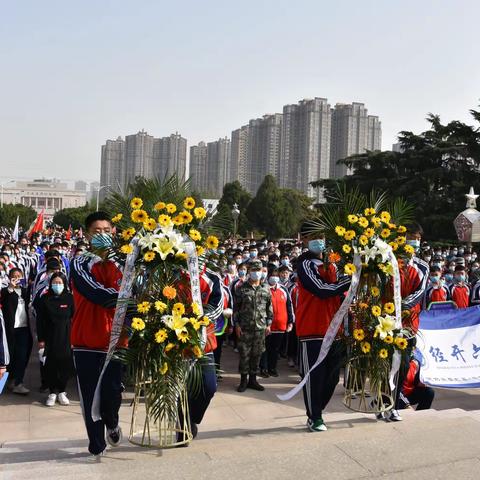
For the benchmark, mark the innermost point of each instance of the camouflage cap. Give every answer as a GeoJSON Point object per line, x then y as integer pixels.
{"type": "Point", "coordinates": [256, 265]}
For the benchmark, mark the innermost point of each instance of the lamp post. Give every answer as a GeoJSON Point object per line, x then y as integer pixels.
{"type": "Point", "coordinates": [98, 193]}
{"type": "Point", "coordinates": [235, 215]}
{"type": "Point", "coordinates": [1, 199]}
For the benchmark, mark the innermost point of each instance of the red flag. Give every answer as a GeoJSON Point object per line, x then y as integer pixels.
{"type": "Point", "coordinates": [68, 235]}
{"type": "Point", "coordinates": [37, 226]}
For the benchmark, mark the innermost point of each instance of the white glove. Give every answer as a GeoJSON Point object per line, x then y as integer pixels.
{"type": "Point", "coordinates": [41, 356]}
{"type": "Point", "coordinates": [228, 312]}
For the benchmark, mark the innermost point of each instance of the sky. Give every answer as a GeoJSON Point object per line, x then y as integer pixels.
{"type": "Point", "coordinates": [73, 74]}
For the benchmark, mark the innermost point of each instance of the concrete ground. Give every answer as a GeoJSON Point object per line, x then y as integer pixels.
{"type": "Point", "coordinates": [250, 435]}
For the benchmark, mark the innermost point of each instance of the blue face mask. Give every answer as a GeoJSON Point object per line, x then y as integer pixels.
{"type": "Point", "coordinates": [241, 273]}
{"type": "Point", "coordinates": [459, 278]}
{"type": "Point", "coordinates": [434, 279]}
{"type": "Point", "coordinates": [448, 277]}
{"type": "Point", "coordinates": [273, 280]}
{"type": "Point", "coordinates": [221, 251]}
{"type": "Point", "coordinates": [316, 246]}
{"type": "Point", "coordinates": [414, 243]}
{"type": "Point", "coordinates": [253, 254]}
{"type": "Point", "coordinates": [101, 241]}
{"type": "Point", "coordinates": [286, 262]}
{"type": "Point", "coordinates": [57, 289]}
{"type": "Point", "coordinates": [256, 275]}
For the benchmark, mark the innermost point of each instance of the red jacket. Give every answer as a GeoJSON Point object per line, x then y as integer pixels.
{"type": "Point", "coordinates": [460, 294]}
{"type": "Point", "coordinates": [319, 296]}
{"type": "Point", "coordinates": [412, 378]}
{"type": "Point", "coordinates": [282, 308]}
{"type": "Point", "coordinates": [95, 284]}
{"type": "Point", "coordinates": [436, 294]}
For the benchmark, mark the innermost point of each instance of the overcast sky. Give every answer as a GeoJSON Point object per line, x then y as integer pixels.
{"type": "Point", "coordinates": [75, 73]}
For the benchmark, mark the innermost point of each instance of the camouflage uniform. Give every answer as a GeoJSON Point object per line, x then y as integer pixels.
{"type": "Point", "coordinates": [253, 312]}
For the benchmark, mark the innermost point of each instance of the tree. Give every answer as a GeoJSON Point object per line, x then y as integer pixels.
{"type": "Point", "coordinates": [73, 216]}
{"type": "Point", "coordinates": [434, 171]}
{"type": "Point", "coordinates": [9, 213]}
{"type": "Point", "coordinates": [234, 193]}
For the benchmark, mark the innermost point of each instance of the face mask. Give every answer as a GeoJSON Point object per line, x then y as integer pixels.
{"type": "Point", "coordinates": [285, 262]}
{"type": "Point", "coordinates": [474, 257]}
{"type": "Point", "coordinates": [253, 254]}
{"type": "Point", "coordinates": [232, 268]}
{"type": "Point", "coordinates": [256, 275]}
{"type": "Point", "coordinates": [245, 256]}
{"type": "Point", "coordinates": [316, 246]}
{"type": "Point", "coordinates": [241, 273]}
{"type": "Point", "coordinates": [101, 241]}
{"type": "Point", "coordinates": [427, 259]}
{"type": "Point", "coordinates": [264, 275]}
{"type": "Point", "coordinates": [57, 288]}
{"type": "Point", "coordinates": [238, 261]}
{"type": "Point", "coordinates": [273, 280]}
{"type": "Point", "coordinates": [434, 279]}
{"type": "Point", "coordinates": [221, 251]}
{"type": "Point", "coordinates": [448, 277]}
{"type": "Point", "coordinates": [461, 251]}
{"type": "Point", "coordinates": [436, 264]}
{"type": "Point", "coordinates": [414, 243]}
{"type": "Point", "coordinates": [276, 264]}
{"type": "Point", "coordinates": [277, 253]}
{"type": "Point", "coordinates": [468, 259]}
{"type": "Point", "coordinates": [459, 278]}
{"type": "Point", "coordinates": [283, 281]}
{"type": "Point", "coordinates": [454, 252]}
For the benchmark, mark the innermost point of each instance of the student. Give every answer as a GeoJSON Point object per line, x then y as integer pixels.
{"type": "Point", "coordinates": [460, 290]}
{"type": "Point", "coordinates": [415, 392]}
{"type": "Point", "coordinates": [436, 290]}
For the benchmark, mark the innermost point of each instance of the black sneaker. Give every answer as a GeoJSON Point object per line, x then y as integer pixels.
{"type": "Point", "coordinates": [114, 436]}
{"type": "Point", "coordinates": [273, 373]}
{"type": "Point", "coordinates": [264, 374]}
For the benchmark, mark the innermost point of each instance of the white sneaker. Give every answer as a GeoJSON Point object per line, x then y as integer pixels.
{"type": "Point", "coordinates": [395, 416]}
{"type": "Point", "coordinates": [20, 389]}
{"type": "Point", "coordinates": [51, 399]}
{"type": "Point", "coordinates": [62, 399]}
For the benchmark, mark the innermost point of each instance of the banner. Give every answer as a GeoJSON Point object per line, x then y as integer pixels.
{"type": "Point", "coordinates": [449, 341]}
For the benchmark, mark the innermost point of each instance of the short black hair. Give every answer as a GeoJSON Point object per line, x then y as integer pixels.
{"type": "Point", "coordinates": [414, 227]}
{"type": "Point", "coordinates": [14, 270]}
{"type": "Point", "coordinates": [435, 269]}
{"type": "Point", "coordinates": [459, 268]}
{"type": "Point", "coordinates": [95, 216]}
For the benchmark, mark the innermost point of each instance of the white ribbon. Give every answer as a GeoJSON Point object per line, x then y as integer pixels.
{"type": "Point", "coordinates": [332, 328]}
{"type": "Point", "coordinates": [194, 273]}
{"type": "Point", "coordinates": [397, 300]}
{"type": "Point", "coordinates": [124, 294]}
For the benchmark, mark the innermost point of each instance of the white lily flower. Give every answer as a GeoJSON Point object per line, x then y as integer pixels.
{"type": "Point", "coordinates": [385, 326]}
{"type": "Point", "coordinates": [384, 249]}
{"type": "Point", "coordinates": [149, 240]}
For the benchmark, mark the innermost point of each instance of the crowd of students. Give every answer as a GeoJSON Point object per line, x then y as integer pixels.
{"type": "Point", "coordinates": [266, 286]}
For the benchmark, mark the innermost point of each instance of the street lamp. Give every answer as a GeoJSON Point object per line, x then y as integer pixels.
{"type": "Point", "coordinates": [1, 199]}
{"type": "Point", "coordinates": [98, 193]}
{"type": "Point", "coordinates": [235, 215]}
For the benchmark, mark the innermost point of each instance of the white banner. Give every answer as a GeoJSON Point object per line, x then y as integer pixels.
{"type": "Point", "coordinates": [449, 343]}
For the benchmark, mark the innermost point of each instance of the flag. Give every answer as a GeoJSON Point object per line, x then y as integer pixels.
{"type": "Point", "coordinates": [68, 235]}
{"type": "Point", "coordinates": [15, 230]}
{"type": "Point", "coordinates": [37, 225]}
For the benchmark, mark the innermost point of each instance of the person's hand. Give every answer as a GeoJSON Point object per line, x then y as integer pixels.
{"type": "Point", "coordinates": [238, 331]}
{"type": "Point", "coordinates": [2, 371]}
{"type": "Point", "coordinates": [289, 327]}
{"type": "Point", "coordinates": [268, 331]}
{"type": "Point", "coordinates": [13, 283]}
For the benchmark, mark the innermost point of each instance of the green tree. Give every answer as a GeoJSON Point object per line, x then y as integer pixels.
{"type": "Point", "coordinates": [73, 216]}
{"type": "Point", "coordinates": [234, 193]}
{"type": "Point", "coordinates": [434, 171]}
{"type": "Point", "coordinates": [9, 213]}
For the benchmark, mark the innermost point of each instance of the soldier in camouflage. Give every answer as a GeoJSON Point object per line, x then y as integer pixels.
{"type": "Point", "coordinates": [253, 314]}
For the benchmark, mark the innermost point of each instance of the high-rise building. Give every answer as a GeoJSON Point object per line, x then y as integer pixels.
{"type": "Point", "coordinates": [305, 152]}
{"type": "Point", "coordinates": [138, 156]}
{"type": "Point", "coordinates": [80, 186]}
{"type": "Point", "coordinates": [353, 132]}
{"type": "Point", "coordinates": [113, 165]}
{"type": "Point", "coordinates": [169, 156]}
{"type": "Point", "coordinates": [263, 154]}
{"type": "Point", "coordinates": [217, 167]}
{"type": "Point", "coordinates": [239, 154]}
{"type": "Point", "coordinates": [198, 167]}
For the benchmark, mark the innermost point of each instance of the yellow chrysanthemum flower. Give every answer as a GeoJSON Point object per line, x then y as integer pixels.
{"type": "Point", "coordinates": [383, 353]}
{"type": "Point", "coordinates": [401, 240]}
{"type": "Point", "coordinates": [376, 311]}
{"type": "Point", "coordinates": [185, 216]}
{"type": "Point", "coordinates": [363, 240]}
{"type": "Point", "coordinates": [164, 368]}
{"type": "Point", "coordinates": [401, 343]}
{"type": "Point", "coordinates": [195, 308]}
{"type": "Point", "coordinates": [212, 242]}
{"type": "Point", "coordinates": [139, 216]}
{"type": "Point", "coordinates": [161, 336]}
{"type": "Point", "coordinates": [358, 334]}
{"type": "Point", "coordinates": [394, 246]}
{"type": "Point", "coordinates": [200, 213]}
{"type": "Point", "coordinates": [196, 324]}
{"type": "Point", "coordinates": [137, 324]}
{"type": "Point", "coordinates": [389, 308]}
{"type": "Point", "coordinates": [197, 351]}
{"type": "Point", "coordinates": [189, 203]}
{"type": "Point", "coordinates": [181, 256]}
{"type": "Point", "coordinates": [169, 292]}
{"type": "Point", "coordinates": [350, 269]}
{"type": "Point", "coordinates": [352, 218]}
{"type": "Point", "coordinates": [177, 220]}
{"type": "Point", "coordinates": [363, 222]}
{"type": "Point", "coordinates": [375, 291]}
{"type": "Point", "coordinates": [365, 346]}
{"type": "Point", "coordinates": [369, 232]}
{"type": "Point", "coordinates": [149, 256]}
{"type": "Point", "coordinates": [401, 229]}
{"type": "Point", "coordinates": [126, 249]}
{"type": "Point", "coordinates": [369, 212]}
{"type": "Point", "coordinates": [195, 235]}
{"type": "Point", "coordinates": [385, 217]}
{"type": "Point", "coordinates": [376, 221]}
{"type": "Point", "coordinates": [409, 249]}
{"type": "Point", "coordinates": [169, 346]}
{"type": "Point", "coordinates": [117, 217]}
{"type": "Point", "coordinates": [171, 208]}
{"type": "Point", "coordinates": [183, 336]}
{"type": "Point", "coordinates": [178, 308]}
{"type": "Point", "coordinates": [349, 235]}
{"type": "Point", "coordinates": [392, 226]}
{"type": "Point", "coordinates": [128, 233]}
{"type": "Point", "coordinates": [164, 220]}
{"type": "Point", "coordinates": [205, 321]}
{"type": "Point", "coordinates": [385, 233]}
{"type": "Point", "coordinates": [347, 248]}
{"type": "Point", "coordinates": [388, 339]}
{"type": "Point", "coordinates": [143, 307]}
{"type": "Point", "coordinates": [200, 250]}
{"type": "Point", "coordinates": [159, 206]}
{"type": "Point", "coordinates": [363, 305]}
{"type": "Point", "coordinates": [150, 224]}
{"type": "Point", "coordinates": [340, 231]}
{"type": "Point", "coordinates": [136, 203]}
{"type": "Point", "coordinates": [160, 306]}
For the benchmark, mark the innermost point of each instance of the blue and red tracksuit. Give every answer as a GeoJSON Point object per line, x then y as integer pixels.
{"type": "Point", "coordinates": [460, 294]}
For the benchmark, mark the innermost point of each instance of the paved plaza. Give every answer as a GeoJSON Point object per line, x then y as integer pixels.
{"type": "Point", "coordinates": [251, 435]}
